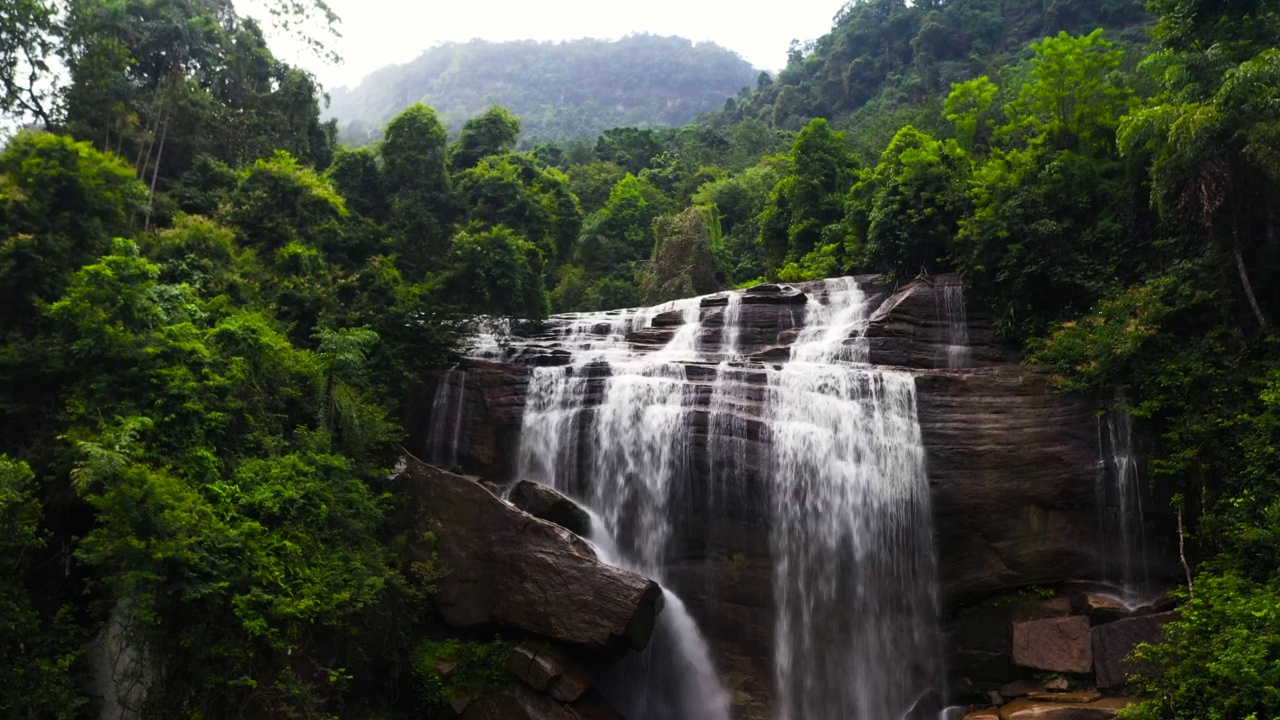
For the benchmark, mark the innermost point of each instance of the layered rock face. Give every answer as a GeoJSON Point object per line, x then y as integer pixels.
{"type": "Point", "coordinates": [1013, 468]}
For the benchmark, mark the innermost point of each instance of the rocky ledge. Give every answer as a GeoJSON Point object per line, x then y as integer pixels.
{"type": "Point", "coordinates": [503, 567]}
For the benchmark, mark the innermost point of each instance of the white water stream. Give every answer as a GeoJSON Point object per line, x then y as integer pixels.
{"type": "Point", "coordinates": [854, 577]}
{"type": "Point", "coordinates": [854, 567]}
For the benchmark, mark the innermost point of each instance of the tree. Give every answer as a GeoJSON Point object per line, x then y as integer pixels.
{"type": "Point", "coordinates": [493, 133]}
{"type": "Point", "coordinates": [38, 651]}
{"type": "Point", "coordinates": [684, 262]}
{"type": "Point", "coordinates": [358, 178]}
{"type": "Point", "coordinates": [62, 202]}
{"type": "Point", "coordinates": [907, 209]}
{"type": "Point", "coordinates": [967, 107]}
{"type": "Point", "coordinates": [280, 201]}
{"type": "Point", "coordinates": [499, 273]}
{"type": "Point", "coordinates": [1209, 140]}
{"type": "Point", "coordinates": [618, 234]}
{"type": "Point", "coordinates": [806, 208]}
{"type": "Point", "coordinates": [421, 193]}
{"type": "Point", "coordinates": [535, 202]}
{"type": "Point", "coordinates": [1073, 100]}
{"type": "Point", "coordinates": [630, 148]}
{"type": "Point", "coordinates": [26, 43]}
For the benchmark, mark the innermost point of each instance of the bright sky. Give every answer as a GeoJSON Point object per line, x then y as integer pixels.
{"type": "Point", "coordinates": [383, 32]}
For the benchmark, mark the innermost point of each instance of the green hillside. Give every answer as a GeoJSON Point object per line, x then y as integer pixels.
{"type": "Point", "coordinates": [891, 52]}
{"type": "Point", "coordinates": [560, 90]}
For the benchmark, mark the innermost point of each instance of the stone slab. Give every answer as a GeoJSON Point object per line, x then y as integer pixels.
{"type": "Point", "coordinates": [1055, 644]}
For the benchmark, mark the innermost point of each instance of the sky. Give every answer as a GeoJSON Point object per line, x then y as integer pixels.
{"type": "Point", "coordinates": [383, 32]}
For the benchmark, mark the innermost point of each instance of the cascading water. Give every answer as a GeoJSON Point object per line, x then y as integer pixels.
{"type": "Point", "coordinates": [447, 419]}
{"type": "Point", "coordinates": [634, 452]}
{"type": "Point", "coordinates": [1119, 500]}
{"type": "Point", "coordinates": [953, 313]}
{"type": "Point", "coordinates": [854, 568]}
{"type": "Point", "coordinates": [616, 426]}
{"type": "Point", "coordinates": [731, 326]}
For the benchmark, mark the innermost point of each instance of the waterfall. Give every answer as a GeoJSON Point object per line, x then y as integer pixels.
{"type": "Point", "coordinates": [834, 447]}
{"type": "Point", "coordinates": [730, 327]}
{"type": "Point", "coordinates": [953, 314]}
{"type": "Point", "coordinates": [1119, 500]}
{"type": "Point", "coordinates": [447, 418]}
{"type": "Point", "coordinates": [854, 567]}
{"type": "Point", "coordinates": [635, 454]}
{"type": "Point", "coordinates": [674, 678]}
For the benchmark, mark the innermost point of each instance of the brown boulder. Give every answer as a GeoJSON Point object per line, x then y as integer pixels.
{"type": "Point", "coordinates": [517, 702]}
{"type": "Point", "coordinates": [541, 501]}
{"type": "Point", "coordinates": [532, 663]}
{"type": "Point", "coordinates": [1056, 644]}
{"type": "Point", "coordinates": [546, 669]}
{"type": "Point", "coordinates": [509, 568]}
{"type": "Point", "coordinates": [1113, 642]}
{"type": "Point", "coordinates": [572, 684]}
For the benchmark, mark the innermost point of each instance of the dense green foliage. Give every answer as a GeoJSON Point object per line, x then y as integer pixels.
{"type": "Point", "coordinates": [208, 323]}
{"type": "Point", "coordinates": [209, 314]}
{"type": "Point", "coordinates": [560, 91]}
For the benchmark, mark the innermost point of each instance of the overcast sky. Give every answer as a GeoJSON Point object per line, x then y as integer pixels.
{"type": "Point", "coordinates": [382, 32]}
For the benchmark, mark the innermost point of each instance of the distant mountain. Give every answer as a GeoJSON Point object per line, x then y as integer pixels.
{"type": "Point", "coordinates": [562, 90]}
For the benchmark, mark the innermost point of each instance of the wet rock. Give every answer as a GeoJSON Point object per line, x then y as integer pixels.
{"type": "Point", "coordinates": [1055, 644]}
{"type": "Point", "coordinates": [593, 706]}
{"type": "Point", "coordinates": [1021, 688]}
{"type": "Point", "coordinates": [981, 637]}
{"type": "Point", "coordinates": [1101, 607]}
{"type": "Point", "coordinates": [546, 669]}
{"type": "Point", "coordinates": [571, 684]}
{"type": "Point", "coordinates": [1103, 709]}
{"type": "Point", "coordinates": [506, 567]}
{"type": "Point", "coordinates": [518, 702]}
{"type": "Point", "coordinates": [541, 501]}
{"type": "Point", "coordinates": [1113, 642]}
{"type": "Point", "coordinates": [911, 328]}
{"type": "Point", "coordinates": [983, 714]}
{"type": "Point", "coordinates": [1083, 696]}
{"type": "Point", "coordinates": [1059, 683]}
{"type": "Point", "coordinates": [534, 664]}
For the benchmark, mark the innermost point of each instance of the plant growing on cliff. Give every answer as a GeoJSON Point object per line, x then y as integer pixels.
{"type": "Point", "coordinates": [453, 669]}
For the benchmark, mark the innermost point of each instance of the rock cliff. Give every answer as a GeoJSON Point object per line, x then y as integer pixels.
{"type": "Point", "coordinates": [1013, 466]}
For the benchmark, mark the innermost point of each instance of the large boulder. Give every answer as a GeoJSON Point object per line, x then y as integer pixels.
{"type": "Point", "coordinates": [517, 702]}
{"type": "Point", "coordinates": [546, 669]}
{"type": "Point", "coordinates": [541, 501]}
{"type": "Point", "coordinates": [506, 567]}
{"type": "Point", "coordinates": [1113, 642]}
{"type": "Point", "coordinates": [1054, 644]}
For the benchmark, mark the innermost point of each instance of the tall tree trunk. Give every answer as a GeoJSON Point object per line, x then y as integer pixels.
{"type": "Point", "coordinates": [155, 172]}
{"type": "Point", "coordinates": [1244, 279]}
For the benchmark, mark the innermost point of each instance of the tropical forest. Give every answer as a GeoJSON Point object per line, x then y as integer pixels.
{"type": "Point", "coordinates": [932, 376]}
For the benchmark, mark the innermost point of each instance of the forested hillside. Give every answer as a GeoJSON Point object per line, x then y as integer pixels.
{"type": "Point", "coordinates": [560, 91]}
{"type": "Point", "coordinates": [211, 313]}
{"type": "Point", "coordinates": [884, 53]}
